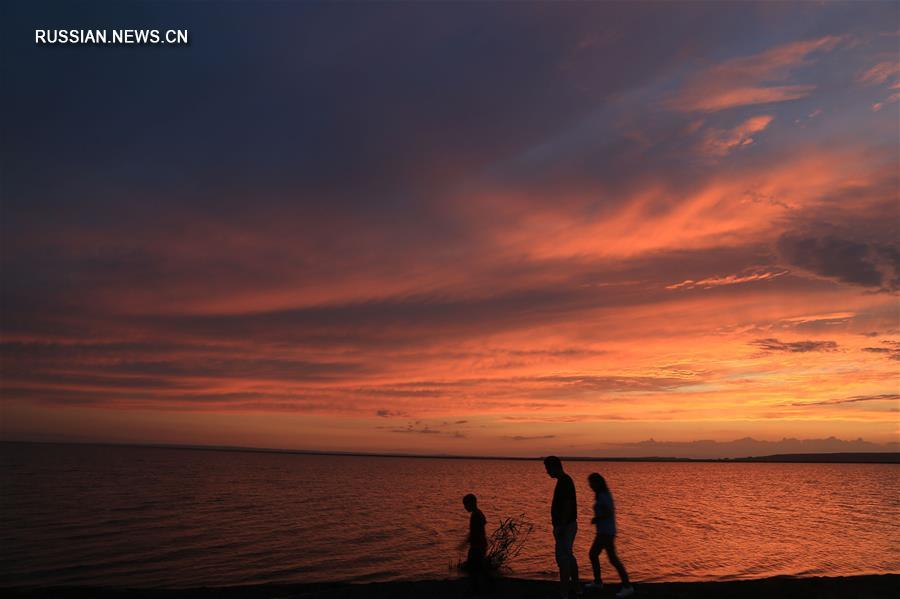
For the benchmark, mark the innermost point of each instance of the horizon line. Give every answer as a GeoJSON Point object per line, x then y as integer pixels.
{"type": "Point", "coordinates": [892, 457]}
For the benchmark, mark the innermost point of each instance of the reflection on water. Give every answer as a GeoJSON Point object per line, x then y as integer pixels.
{"type": "Point", "coordinates": [182, 518]}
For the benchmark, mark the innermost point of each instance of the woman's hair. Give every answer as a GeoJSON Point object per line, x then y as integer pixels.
{"type": "Point", "coordinates": [597, 482]}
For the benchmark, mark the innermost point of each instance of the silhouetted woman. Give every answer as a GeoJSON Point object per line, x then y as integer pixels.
{"type": "Point", "coordinates": [605, 521]}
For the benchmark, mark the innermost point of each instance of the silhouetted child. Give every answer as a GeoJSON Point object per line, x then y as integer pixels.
{"type": "Point", "coordinates": [605, 521]}
{"type": "Point", "coordinates": [476, 564]}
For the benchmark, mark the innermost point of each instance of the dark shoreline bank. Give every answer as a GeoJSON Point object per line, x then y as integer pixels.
{"type": "Point", "coordinates": [859, 587]}
{"type": "Point", "coordinates": [882, 457]}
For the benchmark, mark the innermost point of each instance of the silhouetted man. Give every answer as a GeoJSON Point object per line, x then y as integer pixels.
{"type": "Point", "coordinates": [476, 564]}
{"type": "Point", "coordinates": [564, 515]}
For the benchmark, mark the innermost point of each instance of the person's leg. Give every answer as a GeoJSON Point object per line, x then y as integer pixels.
{"type": "Point", "coordinates": [574, 568]}
{"type": "Point", "coordinates": [561, 560]}
{"type": "Point", "coordinates": [615, 561]}
{"type": "Point", "coordinates": [564, 581]}
{"type": "Point", "coordinates": [569, 580]}
{"type": "Point", "coordinates": [487, 578]}
{"type": "Point", "coordinates": [474, 565]}
{"type": "Point", "coordinates": [594, 557]}
{"type": "Point", "coordinates": [488, 575]}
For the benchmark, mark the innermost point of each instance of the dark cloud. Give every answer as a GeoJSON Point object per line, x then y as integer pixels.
{"type": "Point", "coordinates": [892, 397]}
{"type": "Point", "coordinates": [199, 399]}
{"type": "Point", "coordinates": [890, 352]}
{"type": "Point", "coordinates": [530, 386]}
{"type": "Point", "coordinates": [391, 414]}
{"type": "Point", "coordinates": [862, 263]}
{"type": "Point", "coordinates": [772, 344]}
{"type": "Point", "coordinates": [424, 430]}
{"type": "Point", "coordinates": [529, 438]}
{"type": "Point", "coordinates": [420, 428]}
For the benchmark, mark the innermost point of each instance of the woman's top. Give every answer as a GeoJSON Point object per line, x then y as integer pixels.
{"type": "Point", "coordinates": [605, 514]}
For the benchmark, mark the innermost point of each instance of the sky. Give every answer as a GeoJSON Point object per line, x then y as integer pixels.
{"type": "Point", "coordinates": [505, 228]}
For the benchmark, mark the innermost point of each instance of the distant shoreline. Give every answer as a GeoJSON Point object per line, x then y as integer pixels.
{"type": "Point", "coordinates": [872, 586]}
{"type": "Point", "coordinates": [797, 458]}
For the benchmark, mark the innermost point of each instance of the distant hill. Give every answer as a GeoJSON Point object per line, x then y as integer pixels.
{"type": "Point", "coordinates": [847, 457]}
{"type": "Point", "coordinates": [740, 448]}
{"type": "Point", "coordinates": [828, 458]}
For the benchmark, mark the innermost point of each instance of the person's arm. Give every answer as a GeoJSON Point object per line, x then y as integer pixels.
{"type": "Point", "coordinates": [465, 542]}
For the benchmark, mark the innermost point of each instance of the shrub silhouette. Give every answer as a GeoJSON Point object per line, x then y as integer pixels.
{"type": "Point", "coordinates": [505, 543]}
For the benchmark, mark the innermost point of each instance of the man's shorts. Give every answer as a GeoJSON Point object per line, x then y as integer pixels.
{"type": "Point", "coordinates": [565, 541]}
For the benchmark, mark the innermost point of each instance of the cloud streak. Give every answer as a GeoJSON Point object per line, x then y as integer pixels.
{"type": "Point", "coordinates": [754, 79]}
{"type": "Point", "coordinates": [711, 282]}
{"type": "Point", "coordinates": [775, 345]}
{"type": "Point", "coordinates": [721, 142]}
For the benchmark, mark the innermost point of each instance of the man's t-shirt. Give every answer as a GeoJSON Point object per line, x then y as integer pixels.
{"type": "Point", "coordinates": [563, 510]}
{"type": "Point", "coordinates": [477, 536]}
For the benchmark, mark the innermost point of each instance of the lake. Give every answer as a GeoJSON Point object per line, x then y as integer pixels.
{"type": "Point", "coordinates": [139, 517]}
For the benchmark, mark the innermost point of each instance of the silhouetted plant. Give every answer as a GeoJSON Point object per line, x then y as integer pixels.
{"type": "Point", "coordinates": [505, 543]}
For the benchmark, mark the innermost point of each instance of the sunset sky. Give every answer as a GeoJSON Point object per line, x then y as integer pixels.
{"type": "Point", "coordinates": [508, 229]}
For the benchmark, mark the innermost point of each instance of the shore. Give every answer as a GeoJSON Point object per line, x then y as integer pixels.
{"type": "Point", "coordinates": [857, 587]}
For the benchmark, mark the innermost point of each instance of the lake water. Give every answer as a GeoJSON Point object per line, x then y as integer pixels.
{"type": "Point", "coordinates": [124, 516]}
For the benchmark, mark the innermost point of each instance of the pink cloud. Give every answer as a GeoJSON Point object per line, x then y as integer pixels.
{"type": "Point", "coordinates": [880, 73]}
{"type": "Point", "coordinates": [749, 80]}
{"type": "Point", "coordinates": [894, 97]}
{"type": "Point", "coordinates": [719, 142]}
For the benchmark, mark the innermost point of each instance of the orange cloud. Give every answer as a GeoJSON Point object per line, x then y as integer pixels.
{"type": "Point", "coordinates": [728, 280]}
